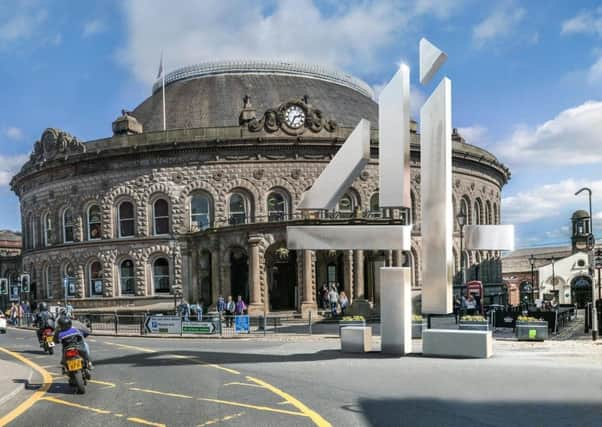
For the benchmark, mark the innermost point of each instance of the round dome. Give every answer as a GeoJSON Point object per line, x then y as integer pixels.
{"type": "Point", "coordinates": [580, 214]}
{"type": "Point", "coordinates": [212, 94]}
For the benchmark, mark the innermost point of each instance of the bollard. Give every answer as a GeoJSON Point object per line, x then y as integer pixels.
{"type": "Point", "coordinates": [310, 322]}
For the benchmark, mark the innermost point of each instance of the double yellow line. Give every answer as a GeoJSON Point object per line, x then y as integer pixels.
{"type": "Point", "coordinates": [39, 394]}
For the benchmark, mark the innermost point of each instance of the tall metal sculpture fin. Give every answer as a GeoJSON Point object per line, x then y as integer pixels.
{"type": "Point", "coordinates": [431, 59]}
{"type": "Point", "coordinates": [342, 170]}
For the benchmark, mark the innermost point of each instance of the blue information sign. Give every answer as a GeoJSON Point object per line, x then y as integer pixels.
{"type": "Point", "coordinates": [241, 324]}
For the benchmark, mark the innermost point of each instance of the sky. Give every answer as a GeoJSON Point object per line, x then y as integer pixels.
{"type": "Point", "coordinates": [526, 79]}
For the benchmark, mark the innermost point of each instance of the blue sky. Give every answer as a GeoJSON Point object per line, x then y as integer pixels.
{"type": "Point", "coordinates": [527, 79]}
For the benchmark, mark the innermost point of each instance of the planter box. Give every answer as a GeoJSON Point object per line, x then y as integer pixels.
{"type": "Point", "coordinates": [532, 331]}
{"type": "Point", "coordinates": [342, 324]}
{"type": "Point", "coordinates": [417, 328]}
{"type": "Point", "coordinates": [356, 339]}
{"type": "Point", "coordinates": [455, 343]}
{"type": "Point", "coordinates": [473, 326]}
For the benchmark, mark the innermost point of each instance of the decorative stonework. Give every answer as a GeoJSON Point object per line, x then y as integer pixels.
{"type": "Point", "coordinates": [54, 143]}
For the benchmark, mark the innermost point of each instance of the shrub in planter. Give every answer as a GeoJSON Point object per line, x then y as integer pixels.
{"type": "Point", "coordinates": [351, 321]}
{"type": "Point", "coordinates": [474, 323]}
{"type": "Point", "coordinates": [531, 329]}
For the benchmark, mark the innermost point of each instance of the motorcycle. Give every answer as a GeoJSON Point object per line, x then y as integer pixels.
{"type": "Point", "coordinates": [48, 340]}
{"type": "Point", "coordinates": [76, 368]}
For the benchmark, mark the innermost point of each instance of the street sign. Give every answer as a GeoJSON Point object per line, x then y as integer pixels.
{"type": "Point", "coordinates": [14, 292]}
{"type": "Point", "coordinates": [198, 327]}
{"type": "Point", "coordinates": [163, 324]}
{"type": "Point", "coordinates": [241, 324]}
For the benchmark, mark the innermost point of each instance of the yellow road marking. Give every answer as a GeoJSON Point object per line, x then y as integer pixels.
{"type": "Point", "coordinates": [257, 407]}
{"type": "Point", "coordinates": [141, 421]}
{"type": "Point", "coordinates": [76, 405]}
{"type": "Point", "coordinates": [217, 420]}
{"type": "Point", "coordinates": [118, 415]}
{"type": "Point", "coordinates": [109, 385]}
{"type": "Point", "coordinates": [213, 365]}
{"type": "Point", "coordinates": [145, 390]}
{"type": "Point", "coordinates": [39, 394]}
{"type": "Point", "coordinates": [245, 384]}
{"type": "Point", "coordinates": [313, 415]}
{"type": "Point", "coordinates": [131, 347]}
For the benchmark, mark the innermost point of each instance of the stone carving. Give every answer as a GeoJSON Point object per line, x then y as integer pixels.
{"type": "Point", "coordinates": [274, 118]}
{"type": "Point", "coordinates": [296, 173]}
{"type": "Point", "coordinates": [258, 174]}
{"type": "Point", "coordinates": [54, 143]}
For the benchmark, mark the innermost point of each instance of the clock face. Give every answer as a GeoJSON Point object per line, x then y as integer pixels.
{"type": "Point", "coordinates": [294, 116]}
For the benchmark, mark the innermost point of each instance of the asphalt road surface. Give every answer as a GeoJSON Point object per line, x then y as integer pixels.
{"type": "Point", "coordinates": [261, 382]}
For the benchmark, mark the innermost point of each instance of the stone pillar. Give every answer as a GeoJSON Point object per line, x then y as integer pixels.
{"type": "Point", "coordinates": [389, 255]}
{"type": "Point", "coordinates": [307, 266]}
{"type": "Point", "coordinates": [193, 273]}
{"type": "Point", "coordinates": [348, 274]}
{"type": "Point", "coordinates": [397, 258]}
{"type": "Point", "coordinates": [359, 274]}
{"type": "Point", "coordinates": [255, 305]}
{"type": "Point", "coordinates": [216, 290]}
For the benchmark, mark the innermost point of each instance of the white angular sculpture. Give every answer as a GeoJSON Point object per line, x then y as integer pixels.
{"type": "Point", "coordinates": [396, 310]}
{"type": "Point", "coordinates": [431, 59]}
{"type": "Point", "coordinates": [341, 237]}
{"type": "Point", "coordinates": [437, 208]}
{"type": "Point", "coordinates": [346, 166]}
{"type": "Point", "coordinates": [394, 141]}
{"type": "Point", "coordinates": [489, 237]}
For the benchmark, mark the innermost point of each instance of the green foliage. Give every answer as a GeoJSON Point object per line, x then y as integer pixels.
{"type": "Point", "coordinates": [474, 318]}
{"type": "Point", "coordinates": [353, 319]}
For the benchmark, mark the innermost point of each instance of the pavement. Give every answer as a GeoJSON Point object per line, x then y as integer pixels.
{"type": "Point", "coordinates": [270, 382]}
{"type": "Point", "coordinates": [14, 381]}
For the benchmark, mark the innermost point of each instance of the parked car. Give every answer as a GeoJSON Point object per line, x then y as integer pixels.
{"type": "Point", "coordinates": [2, 323]}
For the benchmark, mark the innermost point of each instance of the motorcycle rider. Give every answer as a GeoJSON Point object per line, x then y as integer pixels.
{"type": "Point", "coordinates": [44, 319]}
{"type": "Point", "coordinates": [69, 334]}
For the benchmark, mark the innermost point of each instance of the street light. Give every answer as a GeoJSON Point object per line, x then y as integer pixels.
{"type": "Point", "coordinates": [461, 217]}
{"type": "Point", "coordinates": [590, 247]}
{"type": "Point", "coordinates": [172, 246]}
{"type": "Point", "coordinates": [532, 261]}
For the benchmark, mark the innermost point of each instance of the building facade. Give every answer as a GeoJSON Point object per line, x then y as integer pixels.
{"type": "Point", "coordinates": [201, 209]}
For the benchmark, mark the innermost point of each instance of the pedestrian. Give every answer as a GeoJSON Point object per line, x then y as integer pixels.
{"type": "Point", "coordinates": [27, 313]}
{"type": "Point", "coordinates": [241, 307]}
{"type": "Point", "coordinates": [471, 305]}
{"type": "Point", "coordinates": [230, 309]}
{"type": "Point", "coordinates": [343, 302]}
{"type": "Point", "coordinates": [184, 309]}
{"type": "Point", "coordinates": [221, 305]}
{"type": "Point", "coordinates": [14, 312]}
{"type": "Point", "coordinates": [324, 297]}
{"type": "Point", "coordinates": [69, 310]}
{"type": "Point", "coordinates": [333, 298]}
{"type": "Point", "coordinates": [199, 310]}
{"type": "Point", "coordinates": [20, 314]}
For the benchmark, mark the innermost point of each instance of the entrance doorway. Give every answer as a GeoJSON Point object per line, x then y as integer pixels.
{"type": "Point", "coordinates": [581, 290]}
{"type": "Point", "coordinates": [239, 274]}
{"type": "Point", "coordinates": [281, 268]}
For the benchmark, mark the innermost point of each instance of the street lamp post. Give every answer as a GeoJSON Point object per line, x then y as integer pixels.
{"type": "Point", "coordinates": [532, 261]}
{"type": "Point", "coordinates": [591, 244]}
{"type": "Point", "coordinates": [461, 217]}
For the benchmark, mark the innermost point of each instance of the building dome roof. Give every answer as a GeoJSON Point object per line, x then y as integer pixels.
{"type": "Point", "coordinates": [580, 214]}
{"type": "Point", "coordinates": [212, 94]}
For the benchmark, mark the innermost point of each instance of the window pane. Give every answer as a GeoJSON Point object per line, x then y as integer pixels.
{"type": "Point", "coordinates": [237, 204]}
{"type": "Point", "coordinates": [161, 225]}
{"type": "Point", "coordinates": [374, 203]}
{"type": "Point", "coordinates": [126, 210]}
{"type": "Point", "coordinates": [95, 269]}
{"type": "Point", "coordinates": [127, 277]}
{"type": "Point", "coordinates": [68, 217]}
{"type": "Point", "coordinates": [94, 214]}
{"type": "Point", "coordinates": [161, 275]}
{"type": "Point", "coordinates": [162, 267]}
{"type": "Point", "coordinates": [161, 208]}
{"type": "Point", "coordinates": [126, 228]}
{"type": "Point", "coordinates": [199, 205]}
{"type": "Point", "coordinates": [276, 207]}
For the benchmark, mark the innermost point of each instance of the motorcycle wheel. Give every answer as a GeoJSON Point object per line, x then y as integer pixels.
{"type": "Point", "coordinates": [78, 379]}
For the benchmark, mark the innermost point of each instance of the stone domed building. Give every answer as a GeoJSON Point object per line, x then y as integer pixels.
{"type": "Point", "coordinates": [201, 208]}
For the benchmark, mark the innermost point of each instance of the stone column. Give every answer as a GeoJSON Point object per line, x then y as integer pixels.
{"type": "Point", "coordinates": [389, 255]}
{"type": "Point", "coordinates": [255, 306]}
{"type": "Point", "coordinates": [216, 290]}
{"type": "Point", "coordinates": [307, 266]}
{"type": "Point", "coordinates": [193, 273]}
{"type": "Point", "coordinates": [359, 275]}
{"type": "Point", "coordinates": [397, 258]}
{"type": "Point", "coordinates": [348, 274]}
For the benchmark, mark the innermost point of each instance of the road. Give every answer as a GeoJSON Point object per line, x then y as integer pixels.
{"type": "Point", "coordinates": [261, 382]}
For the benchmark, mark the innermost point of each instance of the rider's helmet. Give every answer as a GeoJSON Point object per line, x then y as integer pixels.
{"type": "Point", "coordinates": [43, 306]}
{"type": "Point", "coordinates": [64, 323]}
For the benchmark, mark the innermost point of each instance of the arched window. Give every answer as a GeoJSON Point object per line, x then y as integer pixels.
{"type": "Point", "coordinates": [238, 209]}
{"type": "Point", "coordinates": [125, 217]}
{"type": "Point", "coordinates": [47, 228]}
{"type": "Point", "coordinates": [200, 212]}
{"type": "Point", "coordinates": [161, 217]}
{"type": "Point", "coordinates": [375, 210]}
{"type": "Point", "coordinates": [47, 286]}
{"type": "Point", "coordinates": [67, 226]}
{"type": "Point", "coordinates": [277, 206]}
{"type": "Point", "coordinates": [94, 222]}
{"type": "Point", "coordinates": [464, 208]}
{"type": "Point", "coordinates": [496, 214]}
{"type": "Point", "coordinates": [161, 275]}
{"type": "Point", "coordinates": [478, 212]}
{"type": "Point", "coordinates": [127, 277]}
{"type": "Point", "coordinates": [488, 213]}
{"type": "Point", "coordinates": [346, 206]}
{"type": "Point", "coordinates": [69, 279]}
{"type": "Point", "coordinates": [95, 279]}
{"type": "Point", "coordinates": [31, 238]}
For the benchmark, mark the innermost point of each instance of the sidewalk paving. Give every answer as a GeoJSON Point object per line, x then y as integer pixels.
{"type": "Point", "coordinates": [14, 379]}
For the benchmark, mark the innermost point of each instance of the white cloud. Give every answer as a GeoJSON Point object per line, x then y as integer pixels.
{"type": "Point", "coordinates": [594, 74]}
{"type": "Point", "coordinates": [500, 23]}
{"type": "Point", "coordinates": [9, 165]}
{"type": "Point", "coordinates": [95, 26]}
{"type": "Point", "coordinates": [25, 21]}
{"type": "Point", "coordinates": [475, 134]}
{"type": "Point", "coordinates": [549, 201]}
{"type": "Point", "coordinates": [570, 138]}
{"type": "Point", "coordinates": [352, 37]}
{"type": "Point", "coordinates": [440, 8]}
{"type": "Point", "coordinates": [13, 133]}
{"type": "Point", "coordinates": [585, 22]}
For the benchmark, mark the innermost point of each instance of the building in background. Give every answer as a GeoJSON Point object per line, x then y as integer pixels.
{"type": "Point", "coordinates": [201, 209]}
{"type": "Point", "coordinates": [10, 261]}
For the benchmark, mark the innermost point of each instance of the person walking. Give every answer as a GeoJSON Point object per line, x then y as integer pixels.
{"type": "Point", "coordinates": [343, 302]}
{"type": "Point", "coordinates": [324, 297]}
{"type": "Point", "coordinates": [471, 305]}
{"type": "Point", "coordinates": [230, 309]}
{"type": "Point", "coordinates": [333, 298]}
{"type": "Point", "coordinates": [241, 307]}
{"type": "Point", "coordinates": [200, 306]}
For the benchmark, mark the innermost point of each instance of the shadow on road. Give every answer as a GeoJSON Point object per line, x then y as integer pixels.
{"type": "Point", "coordinates": [438, 412]}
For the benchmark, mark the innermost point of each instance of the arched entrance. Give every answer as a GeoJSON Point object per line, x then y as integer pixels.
{"type": "Point", "coordinates": [281, 270]}
{"type": "Point", "coordinates": [330, 271]}
{"type": "Point", "coordinates": [581, 290]}
{"type": "Point", "coordinates": [204, 277]}
{"type": "Point", "coordinates": [239, 274]}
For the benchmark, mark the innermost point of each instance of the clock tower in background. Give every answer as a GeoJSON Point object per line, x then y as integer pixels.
{"type": "Point", "coordinates": [582, 231]}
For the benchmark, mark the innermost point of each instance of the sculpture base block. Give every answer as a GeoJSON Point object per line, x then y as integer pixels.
{"type": "Point", "coordinates": [396, 310]}
{"type": "Point", "coordinates": [456, 343]}
{"type": "Point", "coordinates": [356, 339]}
